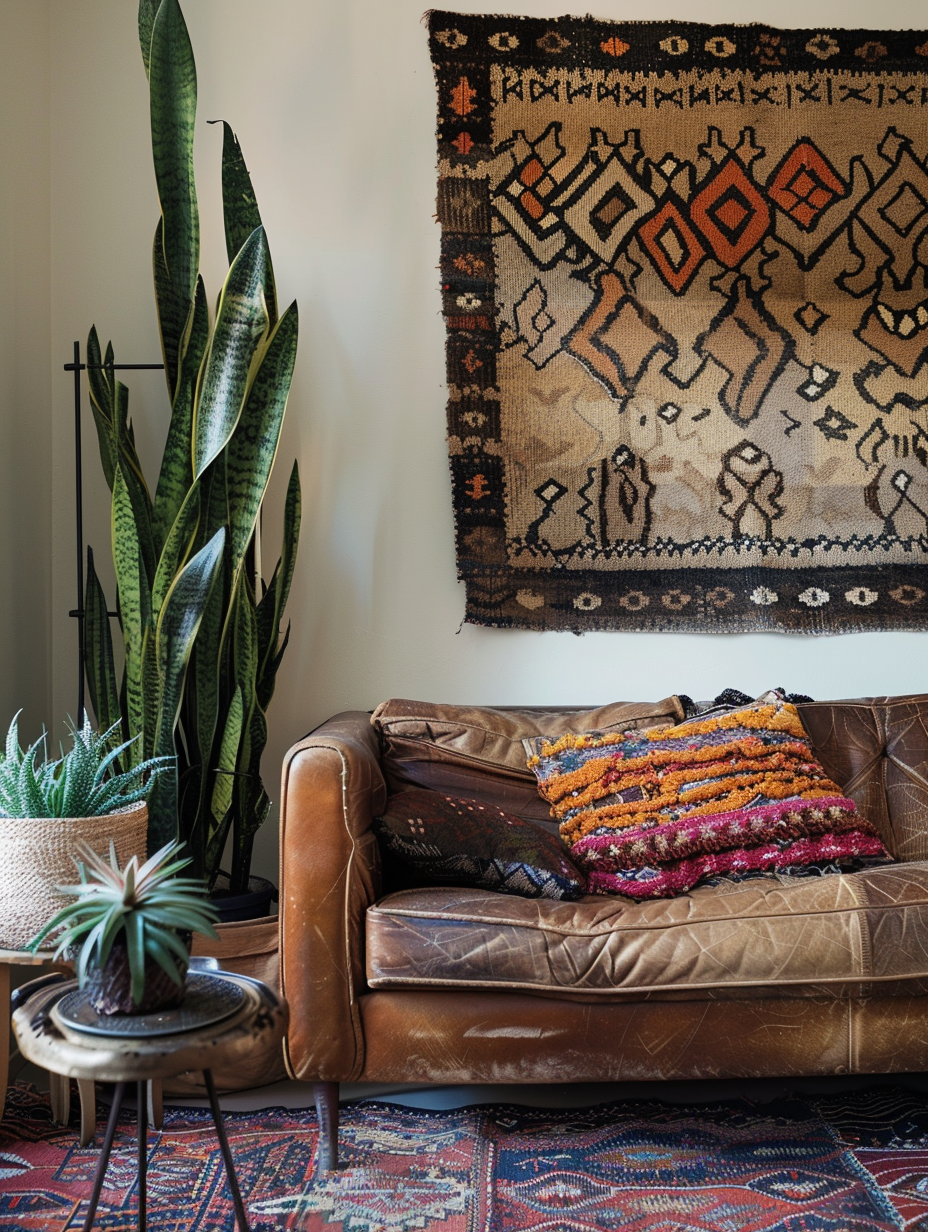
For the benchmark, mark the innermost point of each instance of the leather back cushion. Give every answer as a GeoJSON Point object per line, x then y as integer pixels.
{"type": "Point", "coordinates": [876, 748]}
{"type": "Point", "coordinates": [477, 752]}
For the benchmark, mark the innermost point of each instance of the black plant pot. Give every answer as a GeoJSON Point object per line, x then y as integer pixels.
{"type": "Point", "coordinates": [252, 905]}
{"type": "Point", "coordinates": [110, 986]}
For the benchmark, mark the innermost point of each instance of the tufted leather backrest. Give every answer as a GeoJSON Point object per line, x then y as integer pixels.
{"type": "Point", "coordinates": [876, 748]}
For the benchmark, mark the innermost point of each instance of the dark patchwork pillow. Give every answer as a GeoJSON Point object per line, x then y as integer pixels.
{"type": "Point", "coordinates": [470, 843]}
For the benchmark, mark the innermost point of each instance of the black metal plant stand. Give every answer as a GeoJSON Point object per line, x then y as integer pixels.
{"type": "Point", "coordinates": [77, 367]}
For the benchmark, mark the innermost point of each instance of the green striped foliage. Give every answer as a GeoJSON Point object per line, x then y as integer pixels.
{"type": "Point", "coordinates": [201, 634]}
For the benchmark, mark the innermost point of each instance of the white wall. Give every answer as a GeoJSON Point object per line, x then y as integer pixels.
{"type": "Point", "coordinates": [333, 103]}
{"type": "Point", "coordinates": [25, 381]}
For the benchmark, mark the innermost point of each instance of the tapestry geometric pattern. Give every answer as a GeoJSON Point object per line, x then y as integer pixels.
{"type": "Point", "coordinates": [685, 284]}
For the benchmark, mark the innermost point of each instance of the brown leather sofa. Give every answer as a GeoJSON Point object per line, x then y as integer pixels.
{"type": "Point", "coordinates": [822, 975]}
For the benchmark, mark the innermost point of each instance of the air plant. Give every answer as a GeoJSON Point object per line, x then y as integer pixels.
{"type": "Point", "coordinates": [136, 915]}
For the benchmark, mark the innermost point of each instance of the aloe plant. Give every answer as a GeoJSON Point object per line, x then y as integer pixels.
{"type": "Point", "coordinates": [83, 782]}
{"type": "Point", "coordinates": [200, 630]}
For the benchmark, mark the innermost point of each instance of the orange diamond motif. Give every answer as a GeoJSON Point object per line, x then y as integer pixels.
{"type": "Point", "coordinates": [731, 214]}
{"type": "Point", "coordinates": [673, 246]}
{"type": "Point", "coordinates": [805, 184]}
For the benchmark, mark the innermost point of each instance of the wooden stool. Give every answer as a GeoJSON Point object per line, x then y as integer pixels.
{"type": "Point", "coordinates": [44, 1040]}
{"type": "Point", "coordinates": [8, 960]}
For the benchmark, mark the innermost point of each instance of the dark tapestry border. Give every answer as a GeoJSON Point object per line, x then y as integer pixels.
{"type": "Point", "coordinates": [655, 46]}
{"type": "Point", "coordinates": [813, 600]}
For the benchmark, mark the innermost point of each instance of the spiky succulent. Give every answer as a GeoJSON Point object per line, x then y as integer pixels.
{"type": "Point", "coordinates": [84, 782]}
{"type": "Point", "coordinates": [149, 903]}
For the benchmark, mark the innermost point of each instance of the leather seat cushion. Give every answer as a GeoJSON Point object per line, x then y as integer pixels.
{"type": "Point", "coordinates": [477, 751]}
{"type": "Point", "coordinates": [840, 934]}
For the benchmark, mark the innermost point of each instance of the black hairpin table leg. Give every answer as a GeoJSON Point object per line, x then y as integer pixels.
{"type": "Point", "coordinates": [104, 1159]}
{"type": "Point", "coordinates": [226, 1153]}
{"type": "Point", "coordinates": [142, 1100]}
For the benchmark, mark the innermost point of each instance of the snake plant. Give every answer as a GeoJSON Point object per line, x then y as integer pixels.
{"type": "Point", "coordinates": [83, 782]}
{"type": "Point", "coordinates": [200, 628]}
{"type": "Point", "coordinates": [145, 907]}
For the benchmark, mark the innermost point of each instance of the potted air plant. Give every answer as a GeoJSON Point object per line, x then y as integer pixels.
{"type": "Point", "coordinates": [129, 929]}
{"type": "Point", "coordinates": [49, 806]}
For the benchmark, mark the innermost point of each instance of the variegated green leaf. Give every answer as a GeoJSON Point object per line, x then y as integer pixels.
{"type": "Point", "coordinates": [98, 652]}
{"type": "Point", "coordinates": [142, 514]}
{"type": "Point", "coordinates": [271, 607]}
{"type": "Point", "coordinates": [176, 476]}
{"type": "Point", "coordinates": [173, 93]}
{"type": "Point", "coordinates": [253, 446]}
{"type": "Point", "coordinates": [176, 549]}
{"type": "Point", "coordinates": [109, 402]}
{"type": "Point", "coordinates": [208, 686]}
{"type": "Point", "coordinates": [245, 642]}
{"type": "Point", "coordinates": [177, 628]}
{"type": "Point", "coordinates": [147, 12]}
{"type": "Point", "coordinates": [240, 208]}
{"type": "Point", "coordinates": [134, 603]}
{"type": "Point", "coordinates": [101, 406]}
{"type": "Point", "coordinates": [173, 311]}
{"type": "Point", "coordinates": [241, 322]}
{"type": "Point", "coordinates": [228, 755]}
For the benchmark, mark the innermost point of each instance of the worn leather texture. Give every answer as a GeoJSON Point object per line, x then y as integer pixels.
{"type": "Point", "coordinates": [331, 788]}
{"type": "Point", "coordinates": [504, 1037]}
{"type": "Point", "coordinates": [659, 1002]}
{"type": "Point", "coordinates": [877, 749]}
{"type": "Point", "coordinates": [477, 752]}
{"type": "Point", "coordinates": [857, 930]}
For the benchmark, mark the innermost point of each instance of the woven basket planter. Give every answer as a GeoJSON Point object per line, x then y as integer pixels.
{"type": "Point", "coordinates": [39, 853]}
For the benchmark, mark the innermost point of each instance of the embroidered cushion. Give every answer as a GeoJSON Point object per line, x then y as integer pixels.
{"type": "Point", "coordinates": [471, 843]}
{"type": "Point", "coordinates": [651, 813]}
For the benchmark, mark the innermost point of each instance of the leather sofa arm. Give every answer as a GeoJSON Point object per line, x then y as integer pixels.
{"type": "Point", "coordinates": [332, 786]}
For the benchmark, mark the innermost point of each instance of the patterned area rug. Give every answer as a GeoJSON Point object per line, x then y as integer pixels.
{"type": "Point", "coordinates": [852, 1163]}
{"type": "Point", "coordinates": [685, 281]}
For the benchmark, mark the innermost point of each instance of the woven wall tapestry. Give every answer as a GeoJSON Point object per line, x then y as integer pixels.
{"type": "Point", "coordinates": [685, 280]}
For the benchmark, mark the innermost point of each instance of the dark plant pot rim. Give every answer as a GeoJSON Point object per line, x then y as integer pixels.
{"type": "Point", "coordinates": [252, 905]}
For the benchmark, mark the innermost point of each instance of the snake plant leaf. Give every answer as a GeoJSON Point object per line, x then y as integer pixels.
{"type": "Point", "coordinates": [109, 403]}
{"type": "Point", "coordinates": [148, 10]}
{"type": "Point", "coordinates": [268, 678]}
{"type": "Point", "coordinates": [245, 641]}
{"type": "Point", "coordinates": [241, 322]}
{"type": "Point", "coordinates": [177, 628]}
{"type": "Point", "coordinates": [173, 96]}
{"type": "Point", "coordinates": [178, 623]}
{"type": "Point", "coordinates": [142, 514]}
{"type": "Point", "coordinates": [134, 601]}
{"type": "Point", "coordinates": [98, 651]}
{"type": "Point", "coordinates": [293, 513]}
{"type": "Point", "coordinates": [228, 755]}
{"type": "Point", "coordinates": [240, 208]}
{"type": "Point", "coordinates": [208, 652]}
{"type": "Point", "coordinates": [101, 406]}
{"type": "Point", "coordinates": [274, 600]}
{"type": "Point", "coordinates": [176, 475]}
{"type": "Point", "coordinates": [176, 549]}
{"type": "Point", "coordinates": [173, 311]}
{"type": "Point", "coordinates": [253, 445]}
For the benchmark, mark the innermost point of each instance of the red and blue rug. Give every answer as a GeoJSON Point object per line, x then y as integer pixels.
{"type": "Point", "coordinates": [851, 1163]}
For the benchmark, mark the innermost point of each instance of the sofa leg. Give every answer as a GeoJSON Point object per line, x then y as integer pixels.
{"type": "Point", "coordinates": [326, 1096]}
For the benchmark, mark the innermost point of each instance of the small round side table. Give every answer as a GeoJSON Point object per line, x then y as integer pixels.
{"type": "Point", "coordinates": [45, 1039]}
